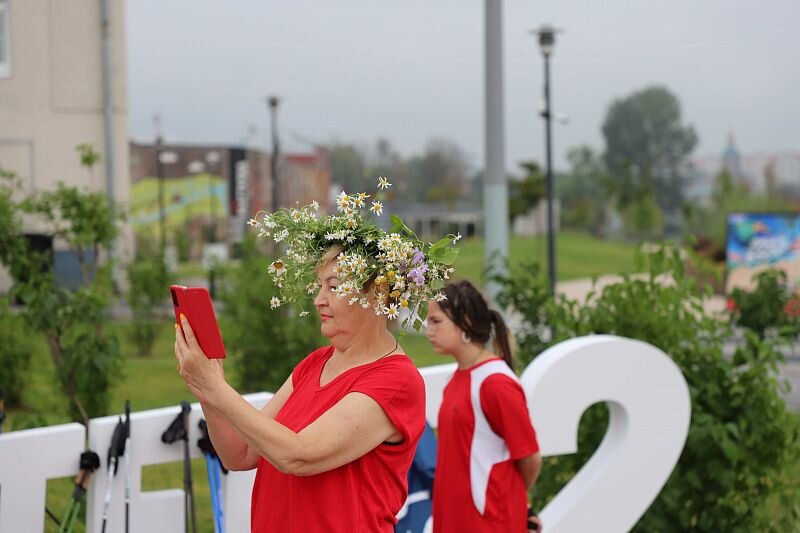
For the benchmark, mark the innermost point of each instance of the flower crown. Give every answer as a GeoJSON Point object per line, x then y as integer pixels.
{"type": "Point", "coordinates": [405, 272]}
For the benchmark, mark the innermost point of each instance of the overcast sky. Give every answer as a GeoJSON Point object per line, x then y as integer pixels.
{"type": "Point", "coordinates": [409, 71]}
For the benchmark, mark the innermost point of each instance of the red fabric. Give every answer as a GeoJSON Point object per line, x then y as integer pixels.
{"type": "Point", "coordinates": [361, 496]}
{"type": "Point", "coordinates": [503, 403]}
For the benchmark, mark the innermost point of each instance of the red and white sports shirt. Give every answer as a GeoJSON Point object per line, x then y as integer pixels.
{"type": "Point", "coordinates": [484, 427]}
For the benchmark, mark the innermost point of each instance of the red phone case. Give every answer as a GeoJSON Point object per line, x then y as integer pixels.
{"type": "Point", "coordinates": [195, 304]}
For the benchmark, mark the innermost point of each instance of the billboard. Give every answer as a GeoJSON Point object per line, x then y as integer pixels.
{"type": "Point", "coordinates": [761, 241]}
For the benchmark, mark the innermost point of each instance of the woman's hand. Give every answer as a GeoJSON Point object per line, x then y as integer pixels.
{"type": "Point", "coordinates": [200, 373]}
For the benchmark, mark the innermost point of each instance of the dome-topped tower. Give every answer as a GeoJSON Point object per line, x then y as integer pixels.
{"type": "Point", "coordinates": [731, 161]}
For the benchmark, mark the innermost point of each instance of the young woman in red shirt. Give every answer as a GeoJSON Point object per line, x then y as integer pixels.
{"type": "Point", "coordinates": [488, 456]}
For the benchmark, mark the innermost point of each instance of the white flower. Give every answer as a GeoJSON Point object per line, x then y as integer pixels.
{"type": "Point", "coordinates": [383, 183]}
{"type": "Point", "coordinates": [392, 312]}
{"type": "Point", "coordinates": [351, 239]}
{"type": "Point", "coordinates": [282, 234]}
{"type": "Point", "coordinates": [303, 313]}
{"type": "Point", "coordinates": [277, 268]}
{"type": "Point", "coordinates": [377, 208]}
{"type": "Point", "coordinates": [342, 201]}
{"type": "Point", "coordinates": [458, 238]}
{"type": "Point", "coordinates": [252, 223]}
{"type": "Point", "coordinates": [439, 297]}
{"type": "Point", "coordinates": [315, 205]}
{"type": "Point", "coordinates": [275, 302]}
{"type": "Point", "coordinates": [331, 236]}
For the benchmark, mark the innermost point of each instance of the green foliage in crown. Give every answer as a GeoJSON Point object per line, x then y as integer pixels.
{"type": "Point", "coordinates": [394, 272]}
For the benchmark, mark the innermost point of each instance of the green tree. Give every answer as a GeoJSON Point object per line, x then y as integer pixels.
{"type": "Point", "coordinates": [440, 173]}
{"type": "Point", "coordinates": [585, 191]}
{"type": "Point", "coordinates": [348, 166]}
{"type": "Point", "coordinates": [643, 218]}
{"type": "Point", "coordinates": [85, 354]}
{"type": "Point", "coordinates": [525, 193]}
{"type": "Point", "coordinates": [385, 161]}
{"type": "Point", "coordinates": [148, 280]}
{"type": "Point", "coordinates": [15, 354]}
{"type": "Point", "coordinates": [646, 147]}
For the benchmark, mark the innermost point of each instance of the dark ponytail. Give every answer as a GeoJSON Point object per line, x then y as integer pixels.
{"type": "Point", "coordinates": [467, 308]}
{"type": "Point", "coordinates": [501, 345]}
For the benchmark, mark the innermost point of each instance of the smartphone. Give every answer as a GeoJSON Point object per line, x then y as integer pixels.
{"type": "Point", "coordinates": [195, 304]}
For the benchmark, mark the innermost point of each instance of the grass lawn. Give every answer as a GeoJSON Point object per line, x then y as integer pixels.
{"type": "Point", "coordinates": [577, 256]}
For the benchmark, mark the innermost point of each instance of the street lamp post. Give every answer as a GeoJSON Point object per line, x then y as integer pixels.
{"type": "Point", "coordinates": [212, 159]}
{"type": "Point", "coordinates": [163, 157]}
{"type": "Point", "coordinates": [547, 39]}
{"type": "Point", "coordinates": [272, 102]}
{"type": "Point", "coordinates": [162, 232]}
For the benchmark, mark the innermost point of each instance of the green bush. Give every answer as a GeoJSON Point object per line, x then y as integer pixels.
{"type": "Point", "coordinates": [266, 343]}
{"type": "Point", "coordinates": [768, 307]}
{"type": "Point", "coordinates": [148, 289]}
{"type": "Point", "coordinates": [183, 244]}
{"type": "Point", "coordinates": [16, 349]}
{"type": "Point", "coordinates": [742, 438]}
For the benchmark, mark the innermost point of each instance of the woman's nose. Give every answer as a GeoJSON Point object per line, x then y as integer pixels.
{"type": "Point", "coordinates": [318, 299]}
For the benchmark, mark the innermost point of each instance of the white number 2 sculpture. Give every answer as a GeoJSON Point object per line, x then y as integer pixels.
{"type": "Point", "coordinates": [649, 408]}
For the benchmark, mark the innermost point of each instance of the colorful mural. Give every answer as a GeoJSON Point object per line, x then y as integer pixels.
{"type": "Point", "coordinates": [186, 199]}
{"type": "Point", "coordinates": [758, 241]}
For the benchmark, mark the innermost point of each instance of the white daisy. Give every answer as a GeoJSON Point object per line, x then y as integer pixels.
{"type": "Point", "coordinates": [383, 183]}
{"type": "Point", "coordinates": [392, 312]}
{"type": "Point", "coordinates": [275, 302]}
{"type": "Point", "coordinates": [282, 234]}
{"type": "Point", "coordinates": [277, 268]}
{"type": "Point", "coordinates": [377, 208]}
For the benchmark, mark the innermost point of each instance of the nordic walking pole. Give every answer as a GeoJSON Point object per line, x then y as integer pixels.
{"type": "Point", "coordinates": [89, 462]}
{"type": "Point", "coordinates": [127, 464]}
{"type": "Point", "coordinates": [213, 466]}
{"type": "Point", "coordinates": [179, 430]}
{"type": "Point", "coordinates": [2, 411]}
{"type": "Point", "coordinates": [115, 450]}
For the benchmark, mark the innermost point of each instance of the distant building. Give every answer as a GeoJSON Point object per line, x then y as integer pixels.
{"type": "Point", "coordinates": [220, 185]}
{"type": "Point", "coordinates": [52, 80]}
{"type": "Point", "coordinates": [305, 178]}
{"type": "Point", "coordinates": [434, 221]}
{"type": "Point", "coordinates": [749, 168]}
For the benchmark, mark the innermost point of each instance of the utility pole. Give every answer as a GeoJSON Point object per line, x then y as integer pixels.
{"type": "Point", "coordinates": [212, 159]}
{"type": "Point", "coordinates": [495, 188]}
{"type": "Point", "coordinates": [162, 235]}
{"type": "Point", "coordinates": [272, 103]}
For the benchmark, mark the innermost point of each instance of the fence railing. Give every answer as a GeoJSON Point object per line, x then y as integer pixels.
{"type": "Point", "coordinates": [29, 458]}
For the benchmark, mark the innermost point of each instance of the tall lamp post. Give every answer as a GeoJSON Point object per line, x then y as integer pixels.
{"type": "Point", "coordinates": [162, 158]}
{"type": "Point", "coordinates": [212, 160]}
{"type": "Point", "coordinates": [547, 40]}
{"type": "Point", "coordinates": [272, 103]}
